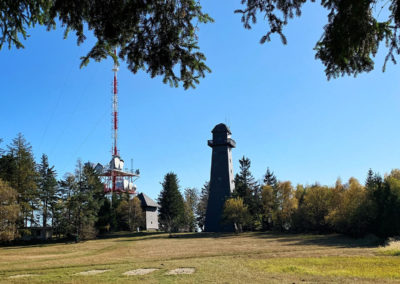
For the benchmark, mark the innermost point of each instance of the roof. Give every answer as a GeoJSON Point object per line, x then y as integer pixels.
{"type": "Point", "coordinates": [147, 201]}
{"type": "Point", "coordinates": [221, 128]}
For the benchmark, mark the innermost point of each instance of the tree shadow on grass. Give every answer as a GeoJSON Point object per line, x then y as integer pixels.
{"type": "Point", "coordinates": [163, 235]}
{"type": "Point", "coordinates": [328, 240]}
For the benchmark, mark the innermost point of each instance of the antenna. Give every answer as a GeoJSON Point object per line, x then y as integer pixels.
{"type": "Point", "coordinates": [116, 177]}
{"type": "Point", "coordinates": [115, 119]}
{"type": "Point", "coordinates": [115, 108]}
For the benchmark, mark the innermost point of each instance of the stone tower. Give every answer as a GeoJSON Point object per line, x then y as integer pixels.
{"type": "Point", "coordinates": [221, 179]}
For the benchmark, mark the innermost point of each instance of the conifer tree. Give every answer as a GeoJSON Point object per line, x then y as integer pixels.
{"type": "Point", "coordinates": [47, 188]}
{"type": "Point", "coordinates": [19, 170]}
{"type": "Point", "coordinates": [85, 201]}
{"type": "Point", "coordinates": [269, 199]}
{"type": "Point", "coordinates": [202, 205]}
{"type": "Point", "coordinates": [172, 209]}
{"type": "Point", "coordinates": [249, 190]}
{"type": "Point", "coordinates": [270, 179]}
{"type": "Point", "coordinates": [159, 37]}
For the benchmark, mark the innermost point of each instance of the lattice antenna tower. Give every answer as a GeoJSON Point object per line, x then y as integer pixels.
{"type": "Point", "coordinates": [115, 109]}
{"type": "Point", "coordinates": [116, 179]}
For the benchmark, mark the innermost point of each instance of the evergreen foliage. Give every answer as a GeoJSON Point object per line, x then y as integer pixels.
{"type": "Point", "coordinates": [18, 168]}
{"type": "Point", "coordinates": [269, 199]}
{"type": "Point", "coordinates": [84, 201]}
{"type": "Point", "coordinates": [47, 188]}
{"type": "Point", "coordinates": [351, 36]}
{"type": "Point", "coordinates": [159, 37]}
{"type": "Point", "coordinates": [270, 179]}
{"type": "Point", "coordinates": [202, 206]}
{"type": "Point", "coordinates": [171, 217]}
{"type": "Point", "coordinates": [76, 207]}
{"type": "Point", "coordinates": [249, 191]}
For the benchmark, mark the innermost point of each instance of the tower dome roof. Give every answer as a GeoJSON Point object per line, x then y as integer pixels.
{"type": "Point", "coordinates": [221, 128]}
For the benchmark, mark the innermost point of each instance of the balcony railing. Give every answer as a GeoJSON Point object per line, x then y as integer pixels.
{"type": "Point", "coordinates": [225, 142]}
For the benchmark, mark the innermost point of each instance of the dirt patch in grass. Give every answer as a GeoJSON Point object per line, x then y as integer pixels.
{"type": "Point", "coordinates": [93, 272]}
{"type": "Point", "coordinates": [182, 270]}
{"type": "Point", "coordinates": [140, 271]}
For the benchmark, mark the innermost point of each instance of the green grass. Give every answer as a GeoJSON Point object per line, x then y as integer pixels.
{"type": "Point", "coordinates": [226, 258]}
{"type": "Point", "coordinates": [360, 267]}
{"type": "Point", "coordinates": [391, 252]}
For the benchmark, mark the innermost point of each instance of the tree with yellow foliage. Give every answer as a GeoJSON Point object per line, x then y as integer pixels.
{"type": "Point", "coordinates": [9, 211]}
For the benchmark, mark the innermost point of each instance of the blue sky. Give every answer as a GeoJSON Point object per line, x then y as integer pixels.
{"type": "Point", "coordinates": [282, 111]}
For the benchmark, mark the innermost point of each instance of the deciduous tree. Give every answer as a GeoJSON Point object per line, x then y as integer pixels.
{"type": "Point", "coordinates": [191, 199]}
{"type": "Point", "coordinates": [9, 210]}
{"type": "Point", "coordinates": [130, 212]}
{"type": "Point", "coordinates": [236, 212]}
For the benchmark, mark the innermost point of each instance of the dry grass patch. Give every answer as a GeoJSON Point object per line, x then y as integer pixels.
{"type": "Point", "coordinates": [21, 276]}
{"type": "Point", "coordinates": [182, 270]}
{"type": "Point", "coordinates": [93, 272]}
{"type": "Point", "coordinates": [140, 271]}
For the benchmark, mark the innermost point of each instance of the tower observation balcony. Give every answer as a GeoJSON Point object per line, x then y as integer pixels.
{"type": "Point", "coordinates": [224, 142]}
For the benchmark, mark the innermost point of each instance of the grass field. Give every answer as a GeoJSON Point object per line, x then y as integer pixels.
{"type": "Point", "coordinates": [247, 258]}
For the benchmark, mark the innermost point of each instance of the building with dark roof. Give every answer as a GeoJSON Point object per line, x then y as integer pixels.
{"type": "Point", "coordinates": [150, 208]}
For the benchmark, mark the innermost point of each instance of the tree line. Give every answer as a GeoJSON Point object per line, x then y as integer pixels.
{"type": "Point", "coordinates": [75, 206]}
{"type": "Point", "coordinates": [349, 208]}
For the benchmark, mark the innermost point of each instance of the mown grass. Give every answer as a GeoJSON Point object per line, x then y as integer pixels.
{"type": "Point", "coordinates": [226, 258]}
{"type": "Point", "coordinates": [360, 267]}
{"type": "Point", "coordinates": [392, 248]}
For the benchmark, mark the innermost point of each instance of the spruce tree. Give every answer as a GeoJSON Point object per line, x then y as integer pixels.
{"type": "Point", "coordinates": [85, 201]}
{"type": "Point", "coordinates": [172, 209]}
{"type": "Point", "coordinates": [269, 199]}
{"type": "Point", "coordinates": [270, 179]}
{"type": "Point", "coordinates": [47, 188]}
{"type": "Point", "coordinates": [202, 205]}
{"type": "Point", "coordinates": [370, 179]}
{"type": "Point", "coordinates": [249, 190]}
{"type": "Point", "coordinates": [19, 170]}
{"type": "Point", "coordinates": [159, 37]}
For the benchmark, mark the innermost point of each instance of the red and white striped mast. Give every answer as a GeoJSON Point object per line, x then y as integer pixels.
{"type": "Point", "coordinates": [115, 179]}
{"type": "Point", "coordinates": [115, 119]}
